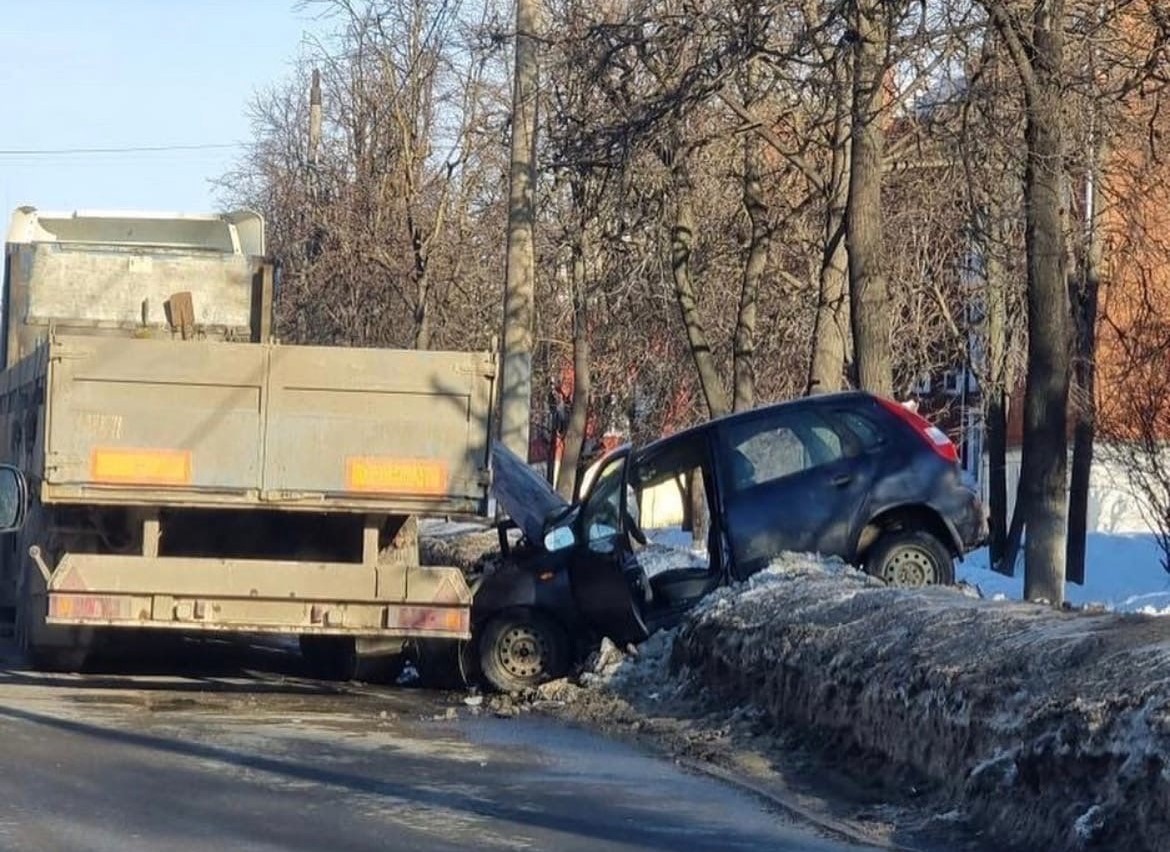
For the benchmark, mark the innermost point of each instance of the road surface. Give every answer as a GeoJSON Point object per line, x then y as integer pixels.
{"type": "Point", "coordinates": [231, 749]}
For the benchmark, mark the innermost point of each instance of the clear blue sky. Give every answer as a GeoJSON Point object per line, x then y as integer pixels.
{"type": "Point", "coordinates": [132, 73]}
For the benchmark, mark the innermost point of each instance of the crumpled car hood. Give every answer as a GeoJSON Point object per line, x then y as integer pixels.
{"type": "Point", "coordinates": [523, 493]}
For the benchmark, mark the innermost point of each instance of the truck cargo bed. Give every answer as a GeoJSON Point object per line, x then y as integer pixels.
{"type": "Point", "coordinates": [208, 424]}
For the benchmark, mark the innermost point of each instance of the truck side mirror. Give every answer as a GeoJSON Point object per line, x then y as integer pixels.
{"type": "Point", "coordinates": [13, 499]}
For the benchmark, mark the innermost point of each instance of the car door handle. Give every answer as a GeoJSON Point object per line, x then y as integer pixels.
{"type": "Point", "coordinates": [841, 480]}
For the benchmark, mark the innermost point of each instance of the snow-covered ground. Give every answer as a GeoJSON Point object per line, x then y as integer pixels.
{"type": "Point", "coordinates": [1123, 573]}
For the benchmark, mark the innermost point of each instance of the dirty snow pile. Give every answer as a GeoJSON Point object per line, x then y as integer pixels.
{"type": "Point", "coordinates": [465, 546]}
{"type": "Point", "coordinates": [1049, 729]}
{"type": "Point", "coordinates": [635, 669]}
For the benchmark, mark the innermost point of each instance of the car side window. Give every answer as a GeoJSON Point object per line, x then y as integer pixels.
{"type": "Point", "coordinates": [824, 445]}
{"type": "Point", "coordinates": [867, 432]}
{"type": "Point", "coordinates": [766, 449]}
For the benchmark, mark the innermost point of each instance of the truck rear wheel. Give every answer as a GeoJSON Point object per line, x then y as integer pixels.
{"type": "Point", "coordinates": [337, 658]}
{"type": "Point", "coordinates": [42, 656]}
{"type": "Point", "coordinates": [330, 657]}
{"type": "Point", "coordinates": [446, 663]}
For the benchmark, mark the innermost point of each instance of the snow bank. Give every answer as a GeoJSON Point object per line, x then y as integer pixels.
{"type": "Point", "coordinates": [1051, 729]}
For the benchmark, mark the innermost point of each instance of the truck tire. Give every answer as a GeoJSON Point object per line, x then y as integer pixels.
{"type": "Point", "coordinates": [43, 657]}
{"type": "Point", "coordinates": [380, 668]}
{"type": "Point", "coordinates": [446, 663]}
{"type": "Point", "coordinates": [522, 650]}
{"type": "Point", "coordinates": [336, 658]}
{"type": "Point", "coordinates": [329, 657]}
{"type": "Point", "coordinates": [911, 558]}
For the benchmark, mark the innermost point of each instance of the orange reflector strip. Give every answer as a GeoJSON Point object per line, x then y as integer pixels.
{"type": "Point", "coordinates": [140, 467]}
{"type": "Point", "coordinates": [395, 476]}
{"type": "Point", "coordinates": [429, 618]}
{"type": "Point", "coordinates": [100, 607]}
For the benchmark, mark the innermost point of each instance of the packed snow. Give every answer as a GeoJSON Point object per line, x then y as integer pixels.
{"type": "Point", "coordinates": [1048, 728]}
{"type": "Point", "coordinates": [669, 550]}
{"type": "Point", "coordinates": [1123, 573]}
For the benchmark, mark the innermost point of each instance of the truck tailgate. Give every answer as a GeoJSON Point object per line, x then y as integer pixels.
{"type": "Point", "coordinates": [208, 424]}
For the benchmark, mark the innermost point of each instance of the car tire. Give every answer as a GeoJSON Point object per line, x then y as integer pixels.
{"type": "Point", "coordinates": [522, 650]}
{"type": "Point", "coordinates": [911, 558]}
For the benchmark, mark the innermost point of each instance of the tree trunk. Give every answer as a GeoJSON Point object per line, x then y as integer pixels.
{"type": "Point", "coordinates": [1015, 533]}
{"type": "Point", "coordinates": [697, 500]}
{"type": "Point", "coordinates": [753, 270]}
{"type": "Point", "coordinates": [1045, 459]}
{"type": "Point", "coordinates": [1084, 380]}
{"type": "Point", "coordinates": [681, 239]}
{"type": "Point", "coordinates": [869, 297]}
{"type": "Point", "coordinates": [519, 285]}
{"type": "Point", "coordinates": [1084, 432]}
{"type": "Point", "coordinates": [422, 315]}
{"type": "Point", "coordinates": [578, 414]}
{"type": "Point", "coordinates": [422, 290]}
{"type": "Point", "coordinates": [995, 415]}
{"type": "Point", "coordinates": [831, 328]}
{"type": "Point", "coordinates": [998, 381]}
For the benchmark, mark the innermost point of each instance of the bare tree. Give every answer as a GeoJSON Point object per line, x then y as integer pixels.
{"type": "Point", "coordinates": [1035, 41]}
{"type": "Point", "coordinates": [682, 239]}
{"type": "Point", "coordinates": [990, 148]}
{"type": "Point", "coordinates": [364, 203]}
{"type": "Point", "coordinates": [831, 340]}
{"type": "Point", "coordinates": [868, 289]}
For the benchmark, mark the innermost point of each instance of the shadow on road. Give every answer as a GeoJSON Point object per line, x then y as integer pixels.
{"type": "Point", "coordinates": [417, 780]}
{"type": "Point", "coordinates": [182, 663]}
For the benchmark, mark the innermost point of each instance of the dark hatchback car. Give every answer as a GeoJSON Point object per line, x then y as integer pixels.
{"type": "Point", "coordinates": [850, 475]}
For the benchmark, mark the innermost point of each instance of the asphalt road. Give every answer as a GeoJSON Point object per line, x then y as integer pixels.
{"type": "Point", "coordinates": [233, 749]}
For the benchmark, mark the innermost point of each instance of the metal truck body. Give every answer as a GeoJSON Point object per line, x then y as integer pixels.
{"type": "Point", "coordinates": [187, 472]}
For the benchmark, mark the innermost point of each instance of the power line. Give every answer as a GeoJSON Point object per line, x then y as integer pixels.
{"type": "Point", "coordinates": [132, 149]}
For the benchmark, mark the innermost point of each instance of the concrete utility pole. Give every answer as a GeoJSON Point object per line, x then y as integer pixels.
{"type": "Point", "coordinates": [519, 285]}
{"type": "Point", "coordinates": [314, 131]}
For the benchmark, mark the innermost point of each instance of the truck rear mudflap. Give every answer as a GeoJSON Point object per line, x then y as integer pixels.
{"type": "Point", "coordinates": [256, 596]}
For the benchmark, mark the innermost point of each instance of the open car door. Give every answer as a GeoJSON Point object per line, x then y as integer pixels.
{"type": "Point", "coordinates": [605, 578]}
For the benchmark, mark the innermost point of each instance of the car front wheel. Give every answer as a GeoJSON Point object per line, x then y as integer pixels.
{"type": "Point", "coordinates": [911, 558]}
{"type": "Point", "coordinates": [519, 651]}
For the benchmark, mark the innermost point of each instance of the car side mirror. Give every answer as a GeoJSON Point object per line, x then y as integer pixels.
{"type": "Point", "coordinates": [13, 499]}
{"type": "Point", "coordinates": [559, 538]}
